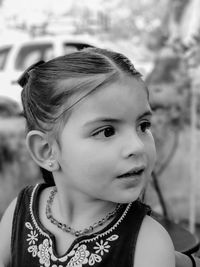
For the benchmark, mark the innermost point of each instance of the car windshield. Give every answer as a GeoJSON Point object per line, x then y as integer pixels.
{"type": "Point", "coordinates": [72, 47]}
{"type": "Point", "coordinates": [29, 54]}
{"type": "Point", "coordinates": [3, 56]}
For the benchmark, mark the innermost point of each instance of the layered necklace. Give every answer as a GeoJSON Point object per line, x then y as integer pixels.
{"type": "Point", "coordinates": [67, 228]}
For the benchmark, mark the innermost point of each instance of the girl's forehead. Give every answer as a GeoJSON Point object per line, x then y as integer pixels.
{"type": "Point", "coordinates": [123, 85]}
{"type": "Point", "coordinates": [117, 99]}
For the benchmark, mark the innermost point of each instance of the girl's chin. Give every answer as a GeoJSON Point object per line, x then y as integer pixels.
{"type": "Point", "coordinates": [131, 193]}
{"type": "Point", "coordinates": [128, 198]}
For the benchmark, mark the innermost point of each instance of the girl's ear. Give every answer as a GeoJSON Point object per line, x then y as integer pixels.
{"type": "Point", "coordinates": [41, 150]}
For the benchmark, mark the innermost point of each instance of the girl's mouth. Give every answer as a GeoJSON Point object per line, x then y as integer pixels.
{"type": "Point", "coordinates": [132, 173]}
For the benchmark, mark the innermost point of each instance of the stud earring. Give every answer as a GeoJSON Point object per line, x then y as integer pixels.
{"type": "Point", "coordinates": [50, 164]}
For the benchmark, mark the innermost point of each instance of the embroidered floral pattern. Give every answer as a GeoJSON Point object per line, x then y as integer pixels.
{"type": "Point", "coordinates": [94, 258]}
{"type": "Point", "coordinates": [44, 253]}
{"type": "Point", "coordinates": [102, 247]}
{"type": "Point", "coordinates": [32, 237]}
{"type": "Point", "coordinates": [33, 250]}
{"type": "Point", "coordinates": [78, 256]}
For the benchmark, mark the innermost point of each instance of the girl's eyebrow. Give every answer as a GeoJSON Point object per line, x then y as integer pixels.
{"type": "Point", "coordinates": [114, 120]}
{"type": "Point", "coordinates": [102, 119]}
{"type": "Point", "coordinates": [147, 113]}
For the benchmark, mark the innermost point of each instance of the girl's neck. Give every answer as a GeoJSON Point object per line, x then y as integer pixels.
{"type": "Point", "coordinates": [77, 210]}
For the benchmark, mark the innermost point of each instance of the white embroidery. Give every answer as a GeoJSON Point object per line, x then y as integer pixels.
{"type": "Point", "coordinates": [78, 256]}
{"type": "Point", "coordinates": [102, 247]}
{"type": "Point", "coordinates": [29, 226]}
{"type": "Point", "coordinates": [94, 258]}
{"type": "Point", "coordinates": [44, 253]}
{"type": "Point", "coordinates": [32, 237]}
{"type": "Point", "coordinates": [112, 238]}
{"type": "Point", "coordinates": [33, 250]}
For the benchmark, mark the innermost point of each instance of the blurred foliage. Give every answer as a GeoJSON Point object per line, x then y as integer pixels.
{"type": "Point", "coordinates": [16, 167]}
{"type": "Point", "coordinates": [173, 83]}
{"type": "Point", "coordinates": [114, 19]}
{"type": "Point", "coordinates": [8, 107]}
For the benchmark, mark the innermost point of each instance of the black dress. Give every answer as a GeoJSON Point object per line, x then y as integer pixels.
{"type": "Point", "coordinates": [34, 246]}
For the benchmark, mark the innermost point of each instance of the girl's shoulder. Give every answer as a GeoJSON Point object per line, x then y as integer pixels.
{"type": "Point", "coordinates": [9, 218]}
{"type": "Point", "coordinates": [30, 196]}
{"type": "Point", "coordinates": [155, 243]}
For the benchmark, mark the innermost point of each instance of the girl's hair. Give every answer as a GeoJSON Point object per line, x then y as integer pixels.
{"type": "Point", "coordinates": [51, 89]}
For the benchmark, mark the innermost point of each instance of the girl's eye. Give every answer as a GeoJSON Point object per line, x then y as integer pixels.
{"type": "Point", "coordinates": [145, 126]}
{"type": "Point", "coordinates": [104, 132]}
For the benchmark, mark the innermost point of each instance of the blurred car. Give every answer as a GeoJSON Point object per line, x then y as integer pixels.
{"type": "Point", "coordinates": [17, 56]}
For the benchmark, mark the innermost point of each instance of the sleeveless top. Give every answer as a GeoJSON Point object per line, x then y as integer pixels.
{"type": "Point", "coordinates": [32, 245]}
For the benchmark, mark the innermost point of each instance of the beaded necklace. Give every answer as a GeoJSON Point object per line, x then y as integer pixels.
{"type": "Point", "coordinates": [67, 228]}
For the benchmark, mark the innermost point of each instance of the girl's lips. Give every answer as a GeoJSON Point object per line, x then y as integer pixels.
{"type": "Point", "coordinates": [132, 173]}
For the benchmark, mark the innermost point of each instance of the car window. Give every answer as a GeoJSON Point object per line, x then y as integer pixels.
{"type": "Point", "coordinates": [30, 54]}
{"type": "Point", "coordinates": [72, 47]}
{"type": "Point", "coordinates": [3, 56]}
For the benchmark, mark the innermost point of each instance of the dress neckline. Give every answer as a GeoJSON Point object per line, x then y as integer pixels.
{"type": "Point", "coordinates": [34, 211]}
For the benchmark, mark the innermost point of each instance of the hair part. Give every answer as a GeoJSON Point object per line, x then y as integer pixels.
{"type": "Point", "coordinates": [52, 85]}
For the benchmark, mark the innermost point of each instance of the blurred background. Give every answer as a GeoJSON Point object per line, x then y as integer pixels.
{"type": "Point", "coordinates": [162, 39]}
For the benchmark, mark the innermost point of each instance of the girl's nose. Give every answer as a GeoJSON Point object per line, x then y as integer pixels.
{"type": "Point", "coordinates": [133, 146]}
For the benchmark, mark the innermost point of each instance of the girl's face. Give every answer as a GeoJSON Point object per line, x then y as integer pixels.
{"type": "Point", "coordinates": [107, 149]}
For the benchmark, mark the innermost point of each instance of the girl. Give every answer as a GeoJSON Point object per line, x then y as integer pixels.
{"type": "Point", "coordinates": [88, 121]}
